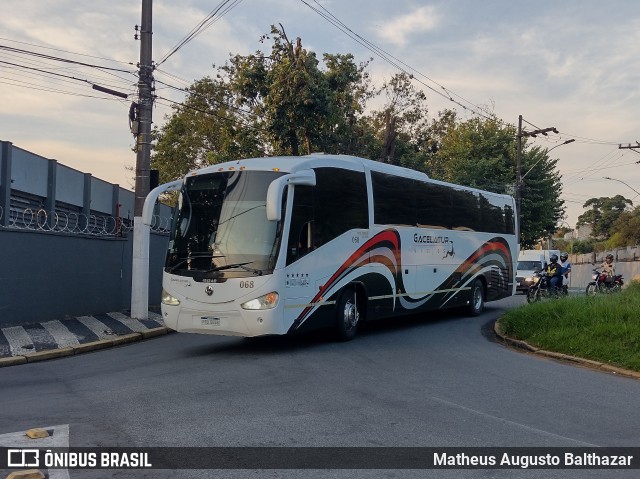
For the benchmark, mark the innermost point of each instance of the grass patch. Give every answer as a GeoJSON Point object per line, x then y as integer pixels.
{"type": "Point", "coordinates": [604, 328]}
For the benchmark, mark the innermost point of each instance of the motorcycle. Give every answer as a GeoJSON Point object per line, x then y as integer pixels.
{"type": "Point", "coordinates": [599, 283]}
{"type": "Point", "coordinates": [541, 288]}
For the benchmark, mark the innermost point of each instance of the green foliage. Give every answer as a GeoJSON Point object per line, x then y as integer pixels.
{"type": "Point", "coordinates": [542, 206]}
{"type": "Point", "coordinates": [603, 213]}
{"type": "Point", "coordinates": [584, 246]}
{"type": "Point", "coordinates": [203, 130]}
{"type": "Point", "coordinates": [400, 122]}
{"type": "Point", "coordinates": [288, 103]}
{"type": "Point", "coordinates": [626, 228]}
{"type": "Point", "coordinates": [603, 328]}
{"type": "Point", "coordinates": [480, 153]}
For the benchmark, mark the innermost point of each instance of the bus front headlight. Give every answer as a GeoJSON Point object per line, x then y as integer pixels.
{"type": "Point", "coordinates": [168, 299]}
{"type": "Point", "coordinates": [268, 301]}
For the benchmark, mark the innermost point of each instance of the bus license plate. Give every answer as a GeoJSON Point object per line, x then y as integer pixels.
{"type": "Point", "coordinates": [209, 321]}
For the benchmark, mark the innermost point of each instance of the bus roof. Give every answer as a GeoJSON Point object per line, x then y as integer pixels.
{"type": "Point", "coordinates": [292, 164]}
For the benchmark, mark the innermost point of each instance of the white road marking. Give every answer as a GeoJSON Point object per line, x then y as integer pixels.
{"type": "Point", "coordinates": [95, 326]}
{"type": "Point", "coordinates": [130, 323]}
{"type": "Point", "coordinates": [18, 338]}
{"type": "Point", "coordinates": [60, 333]}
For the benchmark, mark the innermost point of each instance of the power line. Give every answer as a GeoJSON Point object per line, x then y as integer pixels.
{"type": "Point", "coordinates": [45, 59]}
{"type": "Point", "coordinates": [596, 165]}
{"type": "Point", "coordinates": [196, 94]}
{"type": "Point", "coordinates": [609, 167]}
{"type": "Point", "coordinates": [582, 139]}
{"type": "Point", "coordinates": [54, 90]}
{"type": "Point", "coordinates": [171, 75]}
{"type": "Point", "coordinates": [65, 51]}
{"type": "Point", "coordinates": [62, 76]}
{"type": "Point", "coordinates": [394, 61]}
{"type": "Point", "coordinates": [213, 115]}
{"type": "Point", "coordinates": [209, 20]}
{"type": "Point", "coordinates": [59, 59]}
{"type": "Point", "coordinates": [32, 68]}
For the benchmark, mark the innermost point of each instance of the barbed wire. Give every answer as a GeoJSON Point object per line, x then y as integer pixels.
{"type": "Point", "coordinates": [38, 219]}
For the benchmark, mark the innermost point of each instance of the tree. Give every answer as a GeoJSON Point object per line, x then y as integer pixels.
{"type": "Point", "coordinates": [204, 129]}
{"type": "Point", "coordinates": [541, 205]}
{"type": "Point", "coordinates": [268, 105]}
{"type": "Point", "coordinates": [404, 114]}
{"type": "Point", "coordinates": [625, 229]}
{"type": "Point", "coordinates": [603, 212]}
{"type": "Point", "coordinates": [480, 153]}
{"type": "Point", "coordinates": [288, 103]}
{"type": "Point", "coordinates": [350, 87]}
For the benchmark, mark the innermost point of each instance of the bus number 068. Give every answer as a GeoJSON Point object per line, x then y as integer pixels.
{"type": "Point", "coordinates": [246, 284]}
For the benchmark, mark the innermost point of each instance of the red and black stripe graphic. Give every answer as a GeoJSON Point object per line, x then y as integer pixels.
{"type": "Point", "coordinates": [492, 259]}
{"type": "Point", "coordinates": [385, 249]}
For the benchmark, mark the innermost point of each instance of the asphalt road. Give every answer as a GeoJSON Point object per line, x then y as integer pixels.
{"type": "Point", "coordinates": [440, 381]}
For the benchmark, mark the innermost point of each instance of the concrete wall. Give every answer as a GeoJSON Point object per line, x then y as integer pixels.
{"type": "Point", "coordinates": [65, 241]}
{"type": "Point", "coordinates": [581, 273]}
{"type": "Point", "coordinates": [47, 276]}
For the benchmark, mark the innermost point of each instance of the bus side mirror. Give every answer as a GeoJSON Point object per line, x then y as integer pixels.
{"type": "Point", "coordinates": [276, 190]}
{"type": "Point", "coordinates": [152, 197]}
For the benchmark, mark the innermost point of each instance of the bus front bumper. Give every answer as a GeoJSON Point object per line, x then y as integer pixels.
{"type": "Point", "coordinates": [225, 323]}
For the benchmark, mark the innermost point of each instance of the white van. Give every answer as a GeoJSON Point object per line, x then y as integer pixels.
{"type": "Point", "coordinates": [530, 261]}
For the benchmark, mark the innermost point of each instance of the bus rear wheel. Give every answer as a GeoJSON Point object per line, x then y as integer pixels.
{"type": "Point", "coordinates": [476, 304]}
{"type": "Point", "coordinates": [348, 315]}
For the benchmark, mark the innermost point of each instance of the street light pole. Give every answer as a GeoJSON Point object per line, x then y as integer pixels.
{"type": "Point", "coordinates": [535, 164]}
{"type": "Point", "coordinates": [614, 179]}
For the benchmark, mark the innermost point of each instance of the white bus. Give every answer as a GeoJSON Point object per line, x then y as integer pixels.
{"type": "Point", "coordinates": [280, 245]}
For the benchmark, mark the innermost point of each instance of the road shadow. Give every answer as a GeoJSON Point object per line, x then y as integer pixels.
{"type": "Point", "coordinates": [325, 338]}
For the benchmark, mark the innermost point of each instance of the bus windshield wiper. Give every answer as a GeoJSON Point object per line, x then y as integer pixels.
{"type": "Point", "coordinates": [237, 265]}
{"type": "Point", "coordinates": [189, 258]}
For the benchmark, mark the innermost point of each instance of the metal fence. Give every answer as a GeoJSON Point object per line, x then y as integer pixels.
{"type": "Point", "coordinates": [76, 223]}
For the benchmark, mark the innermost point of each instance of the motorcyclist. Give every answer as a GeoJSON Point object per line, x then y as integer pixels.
{"type": "Point", "coordinates": [608, 268]}
{"type": "Point", "coordinates": [554, 271]}
{"type": "Point", "coordinates": [566, 266]}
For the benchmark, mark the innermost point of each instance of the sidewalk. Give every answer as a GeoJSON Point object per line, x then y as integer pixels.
{"type": "Point", "coordinates": [66, 337]}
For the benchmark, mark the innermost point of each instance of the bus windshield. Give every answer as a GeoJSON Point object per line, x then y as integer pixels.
{"type": "Point", "coordinates": [221, 227]}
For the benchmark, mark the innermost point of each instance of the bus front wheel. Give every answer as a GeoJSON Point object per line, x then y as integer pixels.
{"type": "Point", "coordinates": [476, 304]}
{"type": "Point", "coordinates": [348, 315]}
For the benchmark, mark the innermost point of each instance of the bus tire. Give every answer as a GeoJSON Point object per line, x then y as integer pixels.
{"type": "Point", "coordinates": [347, 315]}
{"type": "Point", "coordinates": [476, 303]}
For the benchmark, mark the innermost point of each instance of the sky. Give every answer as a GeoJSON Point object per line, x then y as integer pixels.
{"type": "Point", "coordinates": [571, 65]}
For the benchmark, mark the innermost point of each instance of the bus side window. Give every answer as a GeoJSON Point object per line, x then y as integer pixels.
{"type": "Point", "coordinates": [305, 243]}
{"type": "Point", "coordinates": [301, 218]}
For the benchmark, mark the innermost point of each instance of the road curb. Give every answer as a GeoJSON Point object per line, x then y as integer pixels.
{"type": "Point", "coordinates": [84, 348]}
{"type": "Point", "coordinates": [519, 344]}
{"type": "Point", "coordinates": [12, 361]}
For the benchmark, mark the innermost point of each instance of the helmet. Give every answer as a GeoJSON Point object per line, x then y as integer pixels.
{"type": "Point", "coordinates": [553, 258]}
{"type": "Point", "coordinates": [564, 257]}
{"type": "Point", "coordinates": [610, 257]}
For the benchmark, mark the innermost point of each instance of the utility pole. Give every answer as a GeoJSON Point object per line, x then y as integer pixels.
{"type": "Point", "coordinates": [630, 147]}
{"type": "Point", "coordinates": [518, 174]}
{"type": "Point", "coordinates": [140, 266]}
{"type": "Point", "coordinates": [519, 136]}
